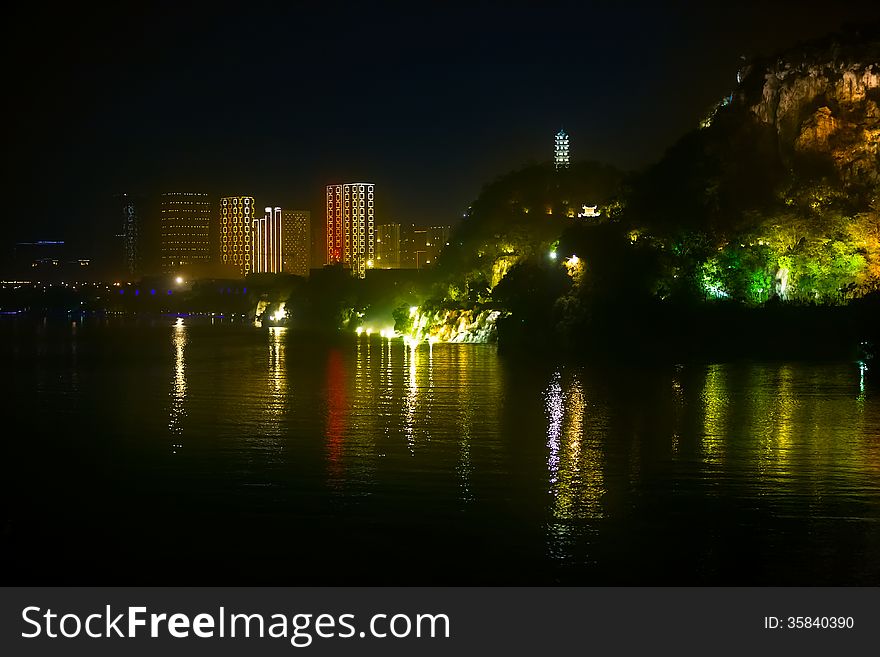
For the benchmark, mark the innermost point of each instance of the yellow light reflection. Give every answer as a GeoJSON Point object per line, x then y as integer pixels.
{"type": "Point", "coordinates": [177, 410]}
{"type": "Point", "coordinates": [773, 418]}
{"type": "Point", "coordinates": [678, 405]}
{"type": "Point", "coordinates": [715, 411]}
{"type": "Point", "coordinates": [359, 448]}
{"type": "Point", "coordinates": [465, 404]}
{"type": "Point", "coordinates": [277, 368]}
{"type": "Point", "coordinates": [412, 393]}
{"type": "Point", "coordinates": [575, 463]}
{"type": "Point", "coordinates": [861, 398]}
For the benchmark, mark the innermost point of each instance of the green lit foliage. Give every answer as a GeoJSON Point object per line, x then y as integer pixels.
{"type": "Point", "coordinates": [748, 272]}
{"type": "Point", "coordinates": [509, 223]}
{"type": "Point", "coordinates": [403, 319]}
{"type": "Point", "coordinates": [712, 279]}
{"type": "Point", "coordinates": [815, 243]}
{"type": "Point", "coordinates": [827, 252]}
{"type": "Point", "coordinates": [864, 234]}
{"type": "Point", "coordinates": [615, 267]}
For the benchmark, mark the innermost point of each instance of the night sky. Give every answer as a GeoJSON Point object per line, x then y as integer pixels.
{"type": "Point", "coordinates": [427, 100]}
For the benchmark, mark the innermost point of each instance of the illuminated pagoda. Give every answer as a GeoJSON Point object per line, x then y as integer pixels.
{"type": "Point", "coordinates": [561, 157]}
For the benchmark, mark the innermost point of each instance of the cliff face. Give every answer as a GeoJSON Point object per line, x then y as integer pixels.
{"type": "Point", "coordinates": [821, 101]}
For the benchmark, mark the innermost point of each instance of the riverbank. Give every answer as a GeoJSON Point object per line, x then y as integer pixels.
{"type": "Point", "coordinates": [712, 332]}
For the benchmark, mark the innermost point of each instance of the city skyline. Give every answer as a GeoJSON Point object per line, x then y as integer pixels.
{"type": "Point", "coordinates": [488, 295]}
{"type": "Point", "coordinates": [197, 235]}
{"type": "Point", "coordinates": [121, 133]}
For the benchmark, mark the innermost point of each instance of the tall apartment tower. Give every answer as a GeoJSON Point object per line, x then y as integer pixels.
{"type": "Point", "coordinates": [130, 235]}
{"type": "Point", "coordinates": [268, 246]}
{"type": "Point", "coordinates": [186, 230]}
{"type": "Point", "coordinates": [561, 158]}
{"type": "Point", "coordinates": [388, 246]}
{"type": "Point", "coordinates": [296, 241]}
{"type": "Point", "coordinates": [350, 224]}
{"type": "Point", "coordinates": [236, 232]}
{"type": "Point", "coordinates": [436, 239]}
{"type": "Point", "coordinates": [413, 246]}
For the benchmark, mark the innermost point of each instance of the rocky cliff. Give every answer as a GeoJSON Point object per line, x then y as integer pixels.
{"type": "Point", "coordinates": [822, 101]}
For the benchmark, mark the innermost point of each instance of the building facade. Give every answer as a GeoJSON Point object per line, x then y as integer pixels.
{"type": "Point", "coordinates": [413, 240]}
{"type": "Point", "coordinates": [185, 230]}
{"type": "Point", "coordinates": [350, 226]}
{"type": "Point", "coordinates": [561, 155]}
{"type": "Point", "coordinates": [267, 243]}
{"type": "Point", "coordinates": [388, 246]}
{"type": "Point", "coordinates": [296, 241]}
{"type": "Point", "coordinates": [237, 218]}
{"type": "Point", "coordinates": [437, 239]}
{"type": "Point", "coordinates": [130, 236]}
{"type": "Point", "coordinates": [420, 246]}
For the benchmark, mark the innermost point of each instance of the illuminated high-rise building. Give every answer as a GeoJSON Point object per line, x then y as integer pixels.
{"type": "Point", "coordinates": [561, 158]}
{"type": "Point", "coordinates": [350, 224]}
{"type": "Point", "coordinates": [186, 230]}
{"type": "Point", "coordinates": [388, 246]}
{"type": "Point", "coordinates": [420, 246]}
{"type": "Point", "coordinates": [267, 243]}
{"type": "Point", "coordinates": [437, 239]}
{"type": "Point", "coordinates": [413, 240]}
{"type": "Point", "coordinates": [130, 230]}
{"type": "Point", "coordinates": [236, 232]}
{"type": "Point", "coordinates": [295, 241]}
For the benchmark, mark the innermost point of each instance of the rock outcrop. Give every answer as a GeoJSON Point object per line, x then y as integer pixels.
{"type": "Point", "coordinates": [822, 101]}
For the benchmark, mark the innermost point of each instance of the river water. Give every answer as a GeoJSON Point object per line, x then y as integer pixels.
{"type": "Point", "coordinates": [185, 451]}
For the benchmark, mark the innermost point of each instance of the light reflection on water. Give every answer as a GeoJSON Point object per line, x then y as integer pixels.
{"type": "Point", "coordinates": [177, 411]}
{"type": "Point", "coordinates": [715, 405]}
{"type": "Point", "coordinates": [471, 464]}
{"type": "Point", "coordinates": [575, 462]}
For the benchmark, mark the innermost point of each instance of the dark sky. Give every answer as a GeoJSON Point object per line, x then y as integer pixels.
{"type": "Point", "coordinates": [427, 100]}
